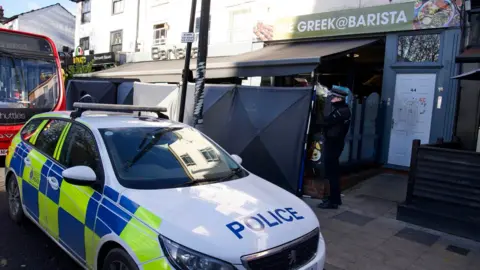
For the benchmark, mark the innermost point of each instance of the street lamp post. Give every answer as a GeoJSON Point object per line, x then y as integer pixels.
{"type": "Point", "coordinates": [201, 63]}
{"type": "Point", "coordinates": [186, 68]}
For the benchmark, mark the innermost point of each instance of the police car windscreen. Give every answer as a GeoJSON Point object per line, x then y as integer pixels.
{"type": "Point", "coordinates": [167, 157]}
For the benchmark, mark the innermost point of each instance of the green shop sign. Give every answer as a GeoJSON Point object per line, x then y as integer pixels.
{"type": "Point", "coordinates": [421, 14]}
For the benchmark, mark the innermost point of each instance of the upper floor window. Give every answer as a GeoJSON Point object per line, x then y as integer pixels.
{"type": "Point", "coordinates": [160, 34]}
{"type": "Point", "coordinates": [239, 26]}
{"type": "Point", "coordinates": [116, 41]}
{"type": "Point", "coordinates": [117, 6]}
{"type": "Point", "coordinates": [86, 14]}
{"type": "Point", "coordinates": [85, 43]}
{"type": "Point", "coordinates": [418, 48]}
{"type": "Point", "coordinates": [197, 28]}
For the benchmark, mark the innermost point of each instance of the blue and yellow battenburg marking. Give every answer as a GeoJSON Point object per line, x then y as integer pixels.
{"type": "Point", "coordinates": [78, 217]}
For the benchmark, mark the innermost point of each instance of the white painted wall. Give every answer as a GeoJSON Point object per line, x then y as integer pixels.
{"type": "Point", "coordinates": [54, 22]}
{"type": "Point", "coordinates": [177, 12]}
{"type": "Point", "coordinates": [103, 23]}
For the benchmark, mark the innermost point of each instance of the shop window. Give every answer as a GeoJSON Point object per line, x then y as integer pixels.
{"type": "Point", "coordinates": [418, 48]}
{"type": "Point", "coordinates": [197, 28]}
{"type": "Point", "coordinates": [117, 6]}
{"type": "Point", "coordinates": [86, 14]}
{"type": "Point", "coordinates": [160, 34]}
{"type": "Point", "coordinates": [116, 39]}
{"type": "Point", "coordinates": [85, 43]}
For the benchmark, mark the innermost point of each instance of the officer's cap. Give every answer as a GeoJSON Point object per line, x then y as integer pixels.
{"type": "Point", "coordinates": [338, 91]}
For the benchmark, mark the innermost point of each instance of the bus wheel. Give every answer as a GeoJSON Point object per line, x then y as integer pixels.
{"type": "Point", "coordinates": [15, 210]}
{"type": "Point", "coordinates": [118, 259]}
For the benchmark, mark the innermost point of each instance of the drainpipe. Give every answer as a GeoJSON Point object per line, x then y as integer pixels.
{"type": "Point", "coordinates": [138, 26]}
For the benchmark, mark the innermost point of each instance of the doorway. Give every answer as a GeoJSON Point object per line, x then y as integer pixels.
{"type": "Point", "coordinates": [412, 115]}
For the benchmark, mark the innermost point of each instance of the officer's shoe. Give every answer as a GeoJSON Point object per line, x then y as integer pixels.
{"type": "Point", "coordinates": [326, 200]}
{"type": "Point", "coordinates": [328, 205]}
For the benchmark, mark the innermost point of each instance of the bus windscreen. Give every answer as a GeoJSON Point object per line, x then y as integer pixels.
{"type": "Point", "coordinates": [29, 79]}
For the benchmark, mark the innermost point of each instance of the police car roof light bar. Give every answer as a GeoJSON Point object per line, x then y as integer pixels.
{"type": "Point", "coordinates": [82, 107]}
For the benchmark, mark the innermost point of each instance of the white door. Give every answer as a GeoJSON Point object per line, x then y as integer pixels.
{"type": "Point", "coordinates": [412, 115]}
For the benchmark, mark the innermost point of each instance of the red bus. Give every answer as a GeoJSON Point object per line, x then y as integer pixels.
{"type": "Point", "coordinates": [31, 81]}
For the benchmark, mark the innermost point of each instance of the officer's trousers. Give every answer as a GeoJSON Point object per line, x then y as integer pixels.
{"type": "Point", "coordinates": [332, 153]}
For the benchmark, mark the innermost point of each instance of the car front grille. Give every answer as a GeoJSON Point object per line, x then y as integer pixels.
{"type": "Point", "coordinates": [292, 255]}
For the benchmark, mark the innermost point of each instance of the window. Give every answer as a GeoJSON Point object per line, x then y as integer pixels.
{"type": "Point", "coordinates": [239, 30]}
{"type": "Point", "coordinates": [49, 136]}
{"type": "Point", "coordinates": [160, 34]}
{"type": "Point", "coordinates": [188, 160]}
{"type": "Point", "coordinates": [79, 149]}
{"type": "Point", "coordinates": [85, 43]}
{"type": "Point", "coordinates": [209, 154]}
{"type": "Point", "coordinates": [197, 28]}
{"type": "Point", "coordinates": [155, 157]}
{"type": "Point", "coordinates": [116, 38]}
{"type": "Point", "coordinates": [474, 39]}
{"type": "Point", "coordinates": [117, 6]}
{"type": "Point", "coordinates": [86, 14]}
{"type": "Point", "coordinates": [30, 128]}
{"type": "Point", "coordinates": [419, 48]}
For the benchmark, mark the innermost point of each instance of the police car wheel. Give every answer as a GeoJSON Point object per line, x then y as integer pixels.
{"type": "Point", "coordinates": [118, 259]}
{"type": "Point", "coordinates": [14, 201]}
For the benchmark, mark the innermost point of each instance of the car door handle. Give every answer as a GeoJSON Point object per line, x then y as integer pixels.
{"type": "Point", "coordinates": [27, 161]}
{"type": "Point", "coordinates": [53, 182]}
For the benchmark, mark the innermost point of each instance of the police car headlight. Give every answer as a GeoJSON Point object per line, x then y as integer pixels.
{"type": "Point", "coordinates": [186, 259]}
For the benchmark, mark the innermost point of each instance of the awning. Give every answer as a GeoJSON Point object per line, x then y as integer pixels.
{"type": "Point", "coordinates": [273, 60]}
{"type": "Point", "coordinates": [470, 55]}
{"type": "Point", "coordinates": [471, 75]}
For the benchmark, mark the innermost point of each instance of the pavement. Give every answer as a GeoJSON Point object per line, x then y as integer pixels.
{"type": "Point", "coordinates": [362, 234]}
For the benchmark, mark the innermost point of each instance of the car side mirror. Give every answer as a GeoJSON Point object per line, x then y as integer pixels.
{"type": "Point", "coordinates": [79, 175]}
{"type": "Point", "coordinates": [237, 159]}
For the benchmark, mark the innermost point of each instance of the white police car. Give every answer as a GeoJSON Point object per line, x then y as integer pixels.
{"type": "Point", "coordinates": [120, 191]}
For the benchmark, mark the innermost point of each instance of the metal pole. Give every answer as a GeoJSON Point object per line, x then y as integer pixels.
{"type": "Point", "coordinates": [186, 68]}
{"type": "Point", "coordinates": [201, 62]}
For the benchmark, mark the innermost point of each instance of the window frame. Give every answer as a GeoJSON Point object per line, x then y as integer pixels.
{"type": "Point", "coordinates": [36, 129]}
{"type": "Point", "coordinates": [98, 185]}
{"type": "Point", "coordinates": [231, 29]}
{"type": "Point", "coordinates": [155, 30]}
{"type": "Point", "coordinates": [82, 17]}
{"type": "Point", "coordinates": [430, 33]}
{"type": "Point", "coordinates": [88, 43]}
{"type": "Point", "coordinates": [41, 126]}
{"type": "Point", "coordinates": [111, 40]}
{"type": "Point", "coordinates": [113, 7]}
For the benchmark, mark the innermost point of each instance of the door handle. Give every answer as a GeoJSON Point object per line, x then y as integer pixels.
{"type": "Point", "coordinates": [27, 161]}
{"type": "Point", "coordinates": [53, 182]}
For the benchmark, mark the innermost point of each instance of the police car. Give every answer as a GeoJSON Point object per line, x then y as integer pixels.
{"type": "Point", "coordinates": [122, 190]}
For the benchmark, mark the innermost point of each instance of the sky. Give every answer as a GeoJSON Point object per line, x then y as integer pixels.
{"type": "Point", "coordinates": [14, 7]}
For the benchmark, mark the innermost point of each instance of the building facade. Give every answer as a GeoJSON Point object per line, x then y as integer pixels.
{"type": "Point", "coordinates": [53, 21]}
{"type": "Point", "coordinates": [146, 30]}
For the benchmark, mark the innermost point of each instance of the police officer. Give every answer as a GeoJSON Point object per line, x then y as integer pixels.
{"type": "Point", "coordinates": [336, 126]}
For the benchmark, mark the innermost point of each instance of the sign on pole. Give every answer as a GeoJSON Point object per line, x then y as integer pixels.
{"type": "Point", "coordinates": [188, 37]}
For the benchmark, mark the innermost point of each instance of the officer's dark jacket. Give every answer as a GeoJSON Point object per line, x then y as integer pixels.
{"type": "Point", "coordinates": [337, 123]}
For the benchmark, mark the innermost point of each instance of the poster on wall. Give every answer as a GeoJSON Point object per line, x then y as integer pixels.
{"type": "Point", "coordinates": [415, 15]}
